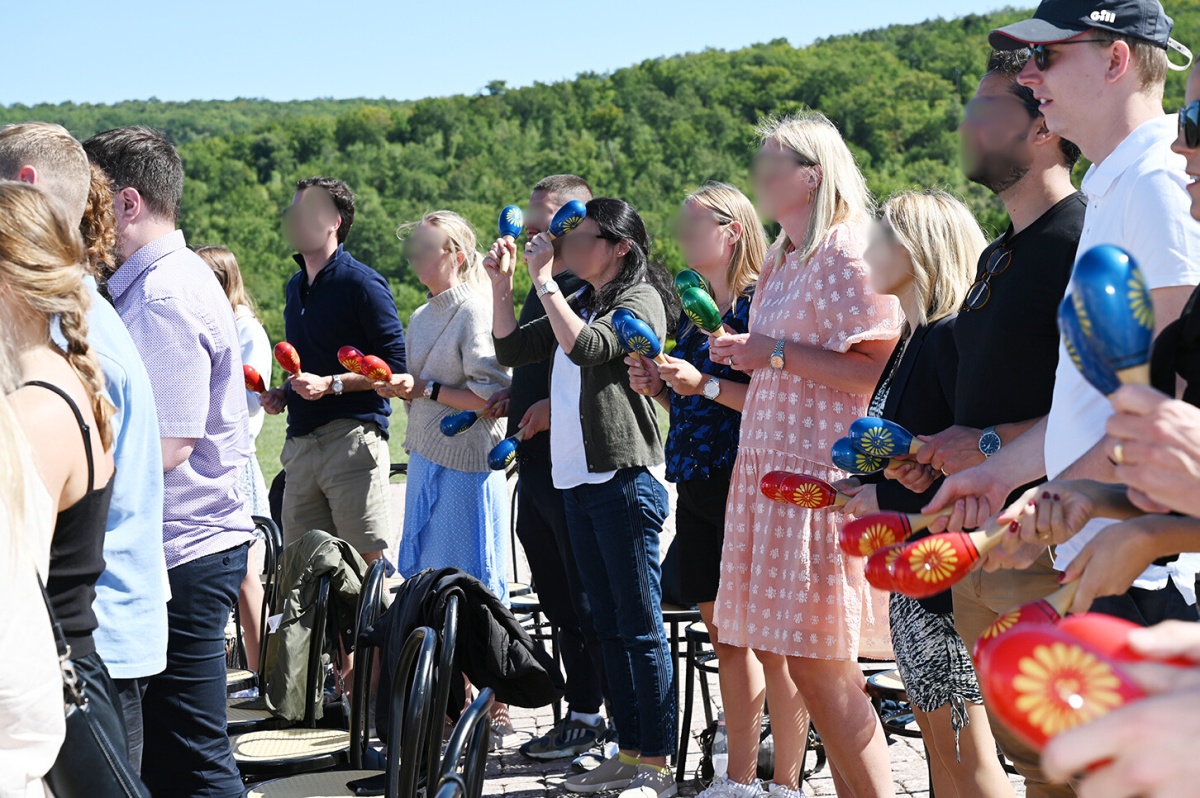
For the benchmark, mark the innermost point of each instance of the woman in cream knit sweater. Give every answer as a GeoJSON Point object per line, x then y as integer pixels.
{"type": "Point", "coordinates": [456, 508]}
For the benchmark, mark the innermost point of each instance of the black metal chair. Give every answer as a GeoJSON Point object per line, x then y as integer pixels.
{"type": "Point", "coordinates": [446, 674]}
{"type": "Point", "coordinates": [305, 748]}
{"type": "Point", "coordinates": [416, 658]}
{"type": "Point", "coordinates": [237, 679]}
{"type": "Point", "coordinates": [452, 787]}
{"type": "Point", "coordinates": [469, 744]}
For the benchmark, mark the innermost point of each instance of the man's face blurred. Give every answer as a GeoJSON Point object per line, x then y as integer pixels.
{"type": "Point", "coordinates": [995, 135]}
{"type": "Point", "coordinates": [310, 220]}
{"type": "Point", "coordinates": [542, 207]}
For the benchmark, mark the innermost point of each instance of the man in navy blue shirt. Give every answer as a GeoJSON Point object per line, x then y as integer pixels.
{"type": "Point", "coordinates": [336, 455]}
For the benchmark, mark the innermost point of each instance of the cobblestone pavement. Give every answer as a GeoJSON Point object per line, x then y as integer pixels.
{"type": "Point", "coordinates": [512, 775]}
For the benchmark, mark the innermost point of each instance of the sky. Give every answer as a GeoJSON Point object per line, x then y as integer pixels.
{"type": "Point", "coordinates": [86, 51]}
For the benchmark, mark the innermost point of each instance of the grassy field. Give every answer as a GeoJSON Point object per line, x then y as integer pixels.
{"type": "Point", "coordinates": [270, 440]}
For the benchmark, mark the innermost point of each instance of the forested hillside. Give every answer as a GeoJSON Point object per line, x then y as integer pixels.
{"type": "Point", "coordinates": [647, 133]}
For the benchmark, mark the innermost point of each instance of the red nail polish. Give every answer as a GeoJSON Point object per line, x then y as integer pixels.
{"type": "Point", "coordinates": [1061, 577]}
{"type": "Point", "coordinates": [1013, 527]}
{"type": "Point", "coordinates": [1046, 495]}
{"type": "Point", "coordinates": [1032, 503]}
{"type": "Point", "coordinates": [1056, 497]}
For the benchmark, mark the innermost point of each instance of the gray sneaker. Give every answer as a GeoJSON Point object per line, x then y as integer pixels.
{"type": "Point", "coordinates": [650, 782]}
{"type": "Point", "coordinates": [724, 787]}
{"type": "Point", "coordinates": [567, 738]}
{"type": "Point", "coordinates": [612, 775]}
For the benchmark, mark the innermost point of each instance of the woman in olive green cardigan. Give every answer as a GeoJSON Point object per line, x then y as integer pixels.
{"type": "Point", "coordinates": [603, 436]}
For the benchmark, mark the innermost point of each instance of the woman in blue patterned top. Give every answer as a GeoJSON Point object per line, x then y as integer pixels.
{"type": "Point", "coordinates": [722, 239]}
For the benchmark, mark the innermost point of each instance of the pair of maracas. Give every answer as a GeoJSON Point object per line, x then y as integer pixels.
{"type": "Point", "coordinates": [285, 355]}
{"type": "Point", "coordinates": [354, 361]}
{"type": "Point", "coordinates": [1107, 321]}
{"type": "Point", "coordinates": [870, 443]}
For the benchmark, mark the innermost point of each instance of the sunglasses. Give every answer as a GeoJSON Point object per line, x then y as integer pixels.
{"type": "Point", "coordinates": [1189, 124]}
{"type": "Point", "coordinates": [981, 291]}
{"type": "Point", "coordinates": [1040, 56]}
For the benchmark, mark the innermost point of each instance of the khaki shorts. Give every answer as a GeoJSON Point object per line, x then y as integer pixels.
{"type": "Point", "coordinates": [337, 481]}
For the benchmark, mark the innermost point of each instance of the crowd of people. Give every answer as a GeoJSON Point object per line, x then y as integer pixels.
{"type": "Point", "coordinates": [129, 479]}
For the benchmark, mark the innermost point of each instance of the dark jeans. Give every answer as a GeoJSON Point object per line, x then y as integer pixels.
{"type": "Point", "coordinates": [130, 692]}
{"type": "Point", "coordinates": [1147, 607]}
{"type": "Point", "coordinates": [614, 529]}
{"type": "Point", "coordinates": [542, 529]}
{"type": "Point", "coordinates": [187, 752]}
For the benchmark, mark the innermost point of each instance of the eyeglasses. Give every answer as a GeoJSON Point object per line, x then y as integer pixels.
{"type": "Point", "coordinates": [981, 291]}
{"type": "Point", "coordinates": [1189, 124]}
{"type": "Point", "coordinates": [1041, 56]}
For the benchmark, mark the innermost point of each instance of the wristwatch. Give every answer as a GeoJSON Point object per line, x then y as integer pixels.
{"type": "Point", "coordinates": [548, 287]}
{"type": "Point", "coordinates": [989, 442]}
{"type": "Point", "coordinates": [429, 388]}
{"type": "Point", "coordinates": [336, 386]}
{"type": "Point", "coordinates": [712, 389]}
{"type": "Point", "coordinates": [777, 355]}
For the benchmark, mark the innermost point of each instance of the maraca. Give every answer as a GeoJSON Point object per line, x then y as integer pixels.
{"type": "Point", "coordinates": [1115, 311]}
{"type": "Point", "coordinates": [864, 536]}
{"type": "Point", "coordinates": [802, 490]}
{"type": "Point", "coordinates": [1040, 681]}
{"type": "Point", "coordinates": [636, 337]}
{"type": "Point", "coordinates": [771, 483]}
{"type": "Point", "coordinates": [567, 219]}
{"type": "Point", "coordinates": [1079, 348]}
{"type": "Point", "coordinates": [512, 222]}
{"type": "Point", "coordinates": [689, 278]}
{"type": "Point", "coordinates": [287, 357]}
{"type": "Point", "coordinates": [1047, 610]}
{"type": "Point", "coordinates": [254, 380]}
{"type": "Point", "coordinates": [852, 461]}
{"type": "Point", "coordinates": [504, 452]}
{"type": "Point", "coordinates": [879, 437]}
{"type": "Point", "coordinates": [458, 423]}
{"type": "Point", "coordinates": [1110, 636]}
{"type": "Point", "coordinates": [375, 370]}
{"type": "Point", "coordinates": [928, 566]}
{"type": "Point", "coordinates": [703, 311]}
{"type": "Point", "coordinates": [351, 359]}
{"type": "Point", "coordinates": [878, 568]}
{"type": "Point", "coordinates": [621, 317]}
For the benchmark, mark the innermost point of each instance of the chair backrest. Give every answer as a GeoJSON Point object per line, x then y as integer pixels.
{"type": "Point", "coordinates": [369, 608]}
{"type": "Point", "coordinates": [412, 700]}
{"type": "Point", "coordinates": [469, 742]}
{"type": "Point", "coordinates": [452, 787]}
{"type": "Point", "coordinates": [446, 674]}
{"type": "Point", "coordinates": [273, 546]}
{"type": "Point", "coordinates": [314, 688]}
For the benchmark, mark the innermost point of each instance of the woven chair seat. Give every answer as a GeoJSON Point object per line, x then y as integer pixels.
{"type": "Point", "coordinates": [284, 744]}
{"type": "Point", "coordinates": [330, 784]}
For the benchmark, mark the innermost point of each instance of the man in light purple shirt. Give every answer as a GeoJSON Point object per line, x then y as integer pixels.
{"type": "Point", "coordinates": [184, 329]}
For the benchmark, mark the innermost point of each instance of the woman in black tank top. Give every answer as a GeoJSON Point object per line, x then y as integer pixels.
{"type": "Point", "coordinates": [61, 400]}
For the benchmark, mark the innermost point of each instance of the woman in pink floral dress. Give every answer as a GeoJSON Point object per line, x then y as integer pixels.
{"type": "Point", "coordinates": [818, 340]}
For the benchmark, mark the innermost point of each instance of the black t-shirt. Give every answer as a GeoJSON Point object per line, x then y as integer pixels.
{"type": "Point", "coordinates": [531, 383]}
{"type": "Point", "coordinates": [1008, 349]}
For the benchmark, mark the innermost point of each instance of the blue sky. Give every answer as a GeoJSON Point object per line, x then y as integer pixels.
{"type": "Point", "coordinates": [59, 50]}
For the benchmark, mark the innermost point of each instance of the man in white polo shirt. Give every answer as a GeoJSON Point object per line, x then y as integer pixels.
{"type": "Point", "coordinates": [1098, 71]}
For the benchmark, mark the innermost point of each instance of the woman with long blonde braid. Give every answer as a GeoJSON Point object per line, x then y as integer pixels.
{"type": "Point", "coordinates": [42, 262]}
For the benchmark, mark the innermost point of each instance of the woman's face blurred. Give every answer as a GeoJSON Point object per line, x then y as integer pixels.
{"type": "Point", "coordinates": [586, 254]}
{"type": "Point", "coordinates": [889, 262]}
{"type": "Point", "coordinates": [1191, 154]}
{"type": "Point", "coordinates": [782, 180]}
{"type": "Point", "coordinates": [428, 255]}
{"type": "Point", "coordinates": [703, 235]}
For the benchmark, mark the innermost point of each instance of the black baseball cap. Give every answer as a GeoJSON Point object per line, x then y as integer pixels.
{"type": "Point", "coordinates": [1059, 20]}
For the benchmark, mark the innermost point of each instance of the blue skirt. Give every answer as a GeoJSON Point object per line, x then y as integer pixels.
{"type": "Point", "coordinates": [455, 519]}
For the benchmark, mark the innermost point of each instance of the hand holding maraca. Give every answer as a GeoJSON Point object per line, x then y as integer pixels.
{"type": "Point", "coordinates": [743, 351]}
{"type": "Point", "coordinates": [499, 263]}
{"type": "Point", "coordinates": [682, 377]}
{"type": "Point", "coordinates": [400, 386]}
{"type": "Point", "coordinates": [864, 501]}
{"type": "Point", "coordinates": [643, 375]}
{"type": "Point", "coordinates": [539, 258]}
{"type": "Point", "coordinates": [1156, 448]}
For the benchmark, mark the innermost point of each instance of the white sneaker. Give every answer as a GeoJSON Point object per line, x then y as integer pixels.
{"type": "Point", "coordinates": [724, 787]}
{"type": "Point", "coordinates": [650, 782]}
{"type": "Point", "coordinates": [613, 774]}
{"type": "Point", "coordinates": [779, 791]}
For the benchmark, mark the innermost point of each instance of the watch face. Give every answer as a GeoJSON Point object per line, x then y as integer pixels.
{"type": "Point", "coordinates": [776, 361]}
{"type": "Point", "coordinates": [989, 444]}
{"type": "Point", "coordinates": [712, 389]}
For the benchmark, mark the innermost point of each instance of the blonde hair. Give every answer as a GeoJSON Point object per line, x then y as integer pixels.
{"type": "Point", "coordinates": [41, 267]}
{"type": "Point", "coordinates": [842, 194]}
{"type": "Point", "coordinates": [943, 241]}
{"type": "Point", "coordinates": [99, 225]}
{"type": "Point", "coordinates": [224, 264]}
{"type": "Point", "coordinates": [750, 249]}
{"type": "Point", "coordinates": [460, 237]}
{"type": "Point", "coordinates": [63, 169]}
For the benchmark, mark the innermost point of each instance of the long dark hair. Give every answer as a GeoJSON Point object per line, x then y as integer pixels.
{"type": "Point", "coordinates": [618, 221]}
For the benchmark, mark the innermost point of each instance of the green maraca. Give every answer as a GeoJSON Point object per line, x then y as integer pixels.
{"type": "Point", "coordinates": [689, 278]}
{"type": "Point", "coordinates": [702, 310]}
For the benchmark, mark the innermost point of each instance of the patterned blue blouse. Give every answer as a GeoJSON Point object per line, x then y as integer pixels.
{"type": "Point", "coordinates": [703, 439]}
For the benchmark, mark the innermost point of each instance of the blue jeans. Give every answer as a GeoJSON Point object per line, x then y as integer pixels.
{"type": "Point", "coordinates": [186, 750]}
{"type": "Point", "coordinates": [614, 530]}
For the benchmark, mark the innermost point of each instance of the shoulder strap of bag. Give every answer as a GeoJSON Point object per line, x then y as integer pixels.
{"type": "Point", "coordinates": [69, 677]}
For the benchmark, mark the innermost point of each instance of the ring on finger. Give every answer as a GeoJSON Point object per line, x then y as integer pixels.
{"type": "Point", "coordinates": [1118, 452]}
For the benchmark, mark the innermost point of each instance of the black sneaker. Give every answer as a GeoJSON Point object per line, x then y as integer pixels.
{"type": "Point", "coordinates": [567, 738]}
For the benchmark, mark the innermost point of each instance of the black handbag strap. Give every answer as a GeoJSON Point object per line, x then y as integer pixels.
{"type": "Point", "coordinates": [70, 679]}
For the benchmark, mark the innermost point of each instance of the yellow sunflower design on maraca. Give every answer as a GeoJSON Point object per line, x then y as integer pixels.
{"type": "Point", "coordinates": [933, 559]}
{"type": "Point", "coordinates": [1060, 686]}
